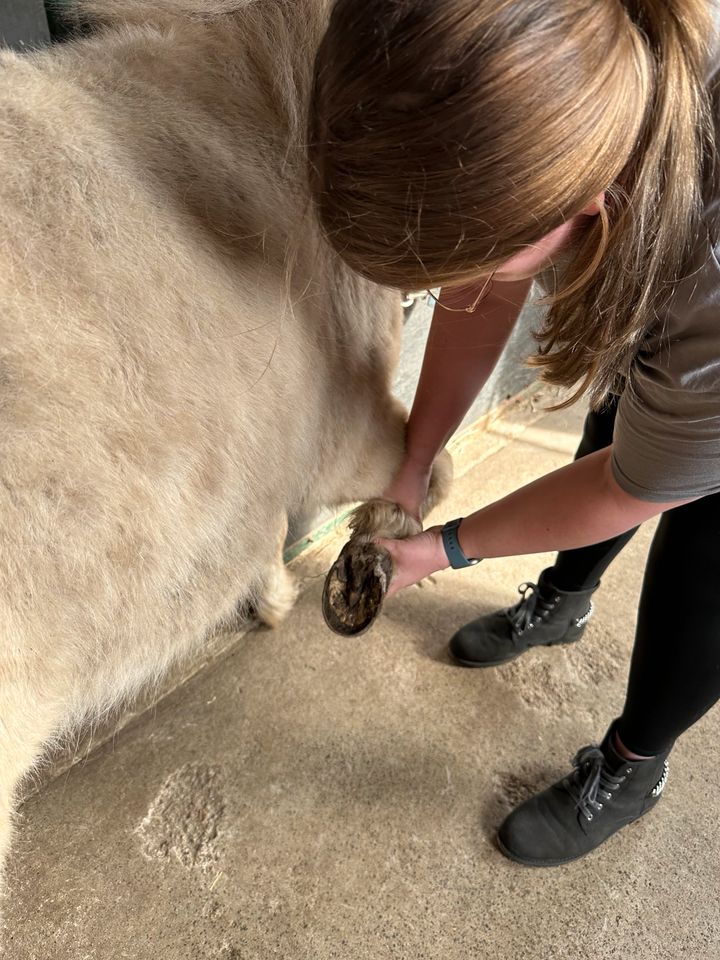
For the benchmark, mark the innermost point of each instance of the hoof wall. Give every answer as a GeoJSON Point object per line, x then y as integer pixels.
{"type": "Point", "coordinates": [355, 588]}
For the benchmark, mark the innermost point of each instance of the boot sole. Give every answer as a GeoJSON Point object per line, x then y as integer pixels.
{"type": "Point", "coordinates": [538, 864]}
{"type": "Point", "coordinates": [577, 632]}
{"type": "Point", "coordinates": [488, 663]}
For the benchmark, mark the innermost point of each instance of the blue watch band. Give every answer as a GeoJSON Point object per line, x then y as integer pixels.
{"type": "Point", "coordinates": [454, 551]}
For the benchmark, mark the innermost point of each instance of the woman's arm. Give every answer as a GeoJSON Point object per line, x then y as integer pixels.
{"type": "Point", "coordinates": [574, 506]}
{"type": "Point", "coordinates": [461, 352]}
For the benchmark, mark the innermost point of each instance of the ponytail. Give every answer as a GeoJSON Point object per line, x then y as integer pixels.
{"type": "Point", "coordinates": [444, 138]}
{"type": "Point", "coordinates": [596, 325]}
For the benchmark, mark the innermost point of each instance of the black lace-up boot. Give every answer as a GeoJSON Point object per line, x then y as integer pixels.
{"type": "Point", "coordinates": [543, 616]}
{"type": "Point", "coordinates": [603, 793]}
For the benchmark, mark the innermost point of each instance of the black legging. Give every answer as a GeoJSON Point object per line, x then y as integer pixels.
{"type": "Point", "coordinates": [675, 667]}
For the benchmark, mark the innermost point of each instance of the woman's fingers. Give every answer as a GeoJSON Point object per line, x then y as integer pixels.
{"type": "Point", "coordinates": [415, 558]}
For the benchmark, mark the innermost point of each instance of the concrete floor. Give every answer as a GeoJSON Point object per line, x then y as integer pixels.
{"type": "Point", "coordinates": [309, 797]}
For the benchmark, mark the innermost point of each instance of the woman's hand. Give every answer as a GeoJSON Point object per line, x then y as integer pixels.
{"type": "Point", "coordinates": [415, 558]}
{"type": "Point", "coordinates": [409, 487]}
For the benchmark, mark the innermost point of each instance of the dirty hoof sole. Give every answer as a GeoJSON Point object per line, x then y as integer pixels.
{"type": "Point", "coordinates": [355, 588]}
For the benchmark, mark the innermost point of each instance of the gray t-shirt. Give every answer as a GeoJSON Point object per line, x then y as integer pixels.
{"type": "Point", "coordinates": [666, 444]}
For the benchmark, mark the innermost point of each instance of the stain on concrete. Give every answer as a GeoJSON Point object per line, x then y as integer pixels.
{"type": "Point", "coordinates": [513, 789]}
{"type": "Point", "coordinates": [229, 953]}
{"type": "Point", "coordinates": [602, 655]}
{"type": "Point", "coordinates": [570, 681]}
{"type": "Point", "coordinates": [182, 822]}
{"type": "Point", "coordinates": [545, 682]}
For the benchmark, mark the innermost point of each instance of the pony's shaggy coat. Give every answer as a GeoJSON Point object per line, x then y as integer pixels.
{"type": "Point", "coordinates": [183, 360]}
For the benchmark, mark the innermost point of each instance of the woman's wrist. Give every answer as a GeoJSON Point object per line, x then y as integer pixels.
{"type": "Point", "coordinates": [419, 460]}
{"type": "Point", "coordinates": [441, 560]}
{"type": "Point", "coordinates": [464, 536]}
{"type": "Point", "coordinates": [409, 487]}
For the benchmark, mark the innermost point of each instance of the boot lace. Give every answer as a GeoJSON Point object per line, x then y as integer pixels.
{"type": "Point", "coordinates": [530, 609]}
{"type": "Point", "coordinates": [591, 779]}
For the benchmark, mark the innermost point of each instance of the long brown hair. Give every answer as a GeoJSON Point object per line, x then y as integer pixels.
{"type": "Point", "coordinates": [446, 136]}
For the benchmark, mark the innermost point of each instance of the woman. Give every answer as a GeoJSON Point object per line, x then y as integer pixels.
{"type": "Point", "coordinates": [473, 145]}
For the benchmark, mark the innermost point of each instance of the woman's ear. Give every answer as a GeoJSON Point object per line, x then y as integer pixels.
{"type": "Point", "coordinates": [593, 208]}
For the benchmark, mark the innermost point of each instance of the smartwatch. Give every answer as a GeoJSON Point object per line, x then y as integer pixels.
{"type": "Point", "coordinates": [454, 551]}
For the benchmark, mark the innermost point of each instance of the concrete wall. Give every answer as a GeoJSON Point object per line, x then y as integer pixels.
{"type": "Point", "coordinates": [509, 377]}
{"type": "Point", "coordinates": [23, 24]}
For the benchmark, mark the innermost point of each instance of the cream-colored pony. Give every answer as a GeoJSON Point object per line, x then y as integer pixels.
{"type": "Point", "coordinates": [183, 361]}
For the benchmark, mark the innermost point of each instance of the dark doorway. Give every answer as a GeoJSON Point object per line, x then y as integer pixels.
{"type": "Point", "coordinates": [23, 24]}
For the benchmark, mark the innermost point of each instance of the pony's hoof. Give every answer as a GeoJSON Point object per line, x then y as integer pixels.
{"type": "Point", "coordinates": [355, 588]}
